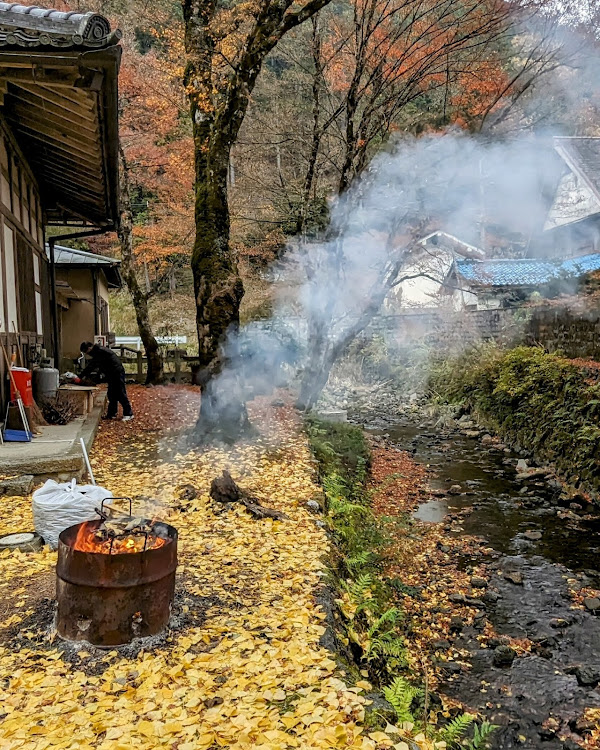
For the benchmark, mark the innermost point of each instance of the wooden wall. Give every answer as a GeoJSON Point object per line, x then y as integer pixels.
{"type": "Point", "coordinates": [24, 289]}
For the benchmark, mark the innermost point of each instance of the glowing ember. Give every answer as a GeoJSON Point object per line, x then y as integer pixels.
{"type": "Point", "coordinates": [89, 540]}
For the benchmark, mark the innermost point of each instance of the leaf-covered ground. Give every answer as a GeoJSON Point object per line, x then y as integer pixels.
{"type": "Point", "coordinates": [249, 671]}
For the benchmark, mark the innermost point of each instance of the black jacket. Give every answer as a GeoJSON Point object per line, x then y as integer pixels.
{"type": "Point", "coordinates": [106, 361]}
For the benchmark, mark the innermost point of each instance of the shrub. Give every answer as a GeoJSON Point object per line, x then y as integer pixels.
{"type": "Point", "coordinates": [537, 400]}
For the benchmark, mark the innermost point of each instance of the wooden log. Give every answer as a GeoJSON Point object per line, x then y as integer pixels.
{"type": "Point", "coordinates": [223, 489]}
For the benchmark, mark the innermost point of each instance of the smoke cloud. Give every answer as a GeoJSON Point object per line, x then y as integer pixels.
{"type": "Point", "coordinates": [470, 186]}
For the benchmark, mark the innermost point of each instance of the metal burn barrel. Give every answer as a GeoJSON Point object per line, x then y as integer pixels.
{"type": "Point", "coordinates": [110, 599]}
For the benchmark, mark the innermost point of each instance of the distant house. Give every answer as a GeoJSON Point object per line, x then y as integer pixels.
{"type": "Point", "coordinates": [489, 284]}
{"type": "Point", "coordinates": [82, 283]}
{"type": "Point", "coordinates": [424, 279]}
{"type": "Point", "coordinates": [58, 158]}
{"type": "Point", "coordinates": [572, 226]}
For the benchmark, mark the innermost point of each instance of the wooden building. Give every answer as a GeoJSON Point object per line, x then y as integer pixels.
{"type": "Point", "coordinates": [58, 159]}
{"type": "Point", "coordinates": [83, 281]}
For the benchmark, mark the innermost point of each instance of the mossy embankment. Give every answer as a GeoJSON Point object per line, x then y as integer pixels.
{"type": "Point", "coordinates": [380, 638]}
{"type": "Point", "coordinates": [535, 401]}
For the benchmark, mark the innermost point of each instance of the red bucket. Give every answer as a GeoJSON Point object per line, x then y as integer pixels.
{"type": "Point", "coordinates": [22, 378]}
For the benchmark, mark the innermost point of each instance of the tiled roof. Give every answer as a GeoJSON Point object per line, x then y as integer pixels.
{"type": "Point", "coordinates": [30, 26]}
{"type": "Point", "coordinates": [525, 272]}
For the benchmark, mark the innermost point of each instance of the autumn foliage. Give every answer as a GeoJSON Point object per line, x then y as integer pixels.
{"type": "Point", "coordinates": [156, 137]}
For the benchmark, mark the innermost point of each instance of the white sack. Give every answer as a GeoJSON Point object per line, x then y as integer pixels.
{"type": "Point", "coordinates": [58, 506]}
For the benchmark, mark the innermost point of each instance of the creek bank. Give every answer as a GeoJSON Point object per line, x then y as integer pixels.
{"type": "Point", "coordinates": [540, 404]}
{"type": "Point", "coordinates": [515, 573]}
{"type": "Point", "coordinates": [496, 571]}
{"type": "Point", "coordinates": [370, 618]}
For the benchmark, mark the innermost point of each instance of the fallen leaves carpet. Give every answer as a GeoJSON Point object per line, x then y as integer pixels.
{"type": "Point", "coordinates": [248, 671]}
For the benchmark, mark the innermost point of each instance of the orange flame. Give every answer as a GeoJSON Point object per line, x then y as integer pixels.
{"type": "Point", "coordinates": [87, 541]}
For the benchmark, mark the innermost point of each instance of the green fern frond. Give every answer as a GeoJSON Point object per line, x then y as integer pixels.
{"type": "Point", "coordinates": [360, 586]}
{"type": "Point", "coordinates": [359, 591]}
{"type": "Point", "coordinates": [455, 731]}
{"type": "Point", "coordinates": [390, 617]}
{"type": "Point", "coordinates": [400, 695]}
{"type": "Point", "coordinates": [360, 560]}
{"type": "Point", "coordinates": [388, 646]}
{"type": "Point", "coordinates": [481, 735]}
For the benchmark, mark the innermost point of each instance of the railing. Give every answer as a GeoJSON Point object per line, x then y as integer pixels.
{"type": "Point", "coordinates": [135, 342]}
{"type": "Point", "coordinates": [178, 366]}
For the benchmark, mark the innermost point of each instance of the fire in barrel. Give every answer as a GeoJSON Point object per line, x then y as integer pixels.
{"type": "Point", "coordinates": [115, 579]}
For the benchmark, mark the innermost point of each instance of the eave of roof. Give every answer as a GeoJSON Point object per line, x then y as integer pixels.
{"type": "Point", "coordinates": [59, 76]}
{"type": "Point", "coordinates": [68, 257]}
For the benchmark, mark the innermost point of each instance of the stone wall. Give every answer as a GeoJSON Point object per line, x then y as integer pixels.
{"type": "Point", "coordinates": [573, 330]}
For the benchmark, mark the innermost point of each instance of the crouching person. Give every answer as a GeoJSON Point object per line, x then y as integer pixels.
{"type": "Point", "coordinates": [109, 364]}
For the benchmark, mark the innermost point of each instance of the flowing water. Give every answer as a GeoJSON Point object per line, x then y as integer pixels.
{"type": "Point", "coordinates": [505, 512]}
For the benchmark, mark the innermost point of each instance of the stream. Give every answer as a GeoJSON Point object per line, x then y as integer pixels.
{"type": "Point", "coordinates": [519, 520]}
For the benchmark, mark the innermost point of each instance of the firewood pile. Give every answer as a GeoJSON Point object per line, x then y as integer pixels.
{"type": "Point", "coordinates": [59, 410]}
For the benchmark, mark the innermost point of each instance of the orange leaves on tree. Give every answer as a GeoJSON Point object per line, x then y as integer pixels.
{"type": "Point", "coordinates": [156, 136]}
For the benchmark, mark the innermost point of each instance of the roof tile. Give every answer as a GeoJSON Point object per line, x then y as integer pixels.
{"type": "Point", "coordinates": [525, 272]}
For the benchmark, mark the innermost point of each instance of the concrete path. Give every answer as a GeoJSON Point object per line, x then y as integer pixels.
{"type": "Point", "coordinates": [56, 451]}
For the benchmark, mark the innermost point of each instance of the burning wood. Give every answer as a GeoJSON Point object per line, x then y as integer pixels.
{"type": "Point", "coordinates": [119, 535]}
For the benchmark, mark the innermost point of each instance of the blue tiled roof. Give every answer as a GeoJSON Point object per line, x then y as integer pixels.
{"type": "Point", "coordinates": [526, 271]}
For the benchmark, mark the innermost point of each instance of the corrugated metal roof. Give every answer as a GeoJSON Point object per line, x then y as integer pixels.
{"type": "Point", "coordinates": [525, 272]}
{"type": "Point", "coordinates": [68, 256]}
{"type": "Point", "coordinates": [71, 256]}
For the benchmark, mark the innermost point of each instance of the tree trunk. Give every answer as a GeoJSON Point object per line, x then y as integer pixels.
{"type": "Point", "coordinates": [155, 373]}
{"type": "Point", "coordinates": [314, 379]}
{"type": "Point", "coordinates": [217, 111]}
{"type": "Point", "coordinates": [317, 133]}
{"type": "Point", "coordinates": [218, 287]}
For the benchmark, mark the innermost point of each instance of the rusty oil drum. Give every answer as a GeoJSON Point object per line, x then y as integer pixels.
{"type": "Point", "coordinates": [108, 600]}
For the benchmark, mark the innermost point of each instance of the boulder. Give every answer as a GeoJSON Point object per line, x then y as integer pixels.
{"type": "Point", "coordinates": [514, 576]}
{"type": "Point", "coordinates": [533, 535]}
{"type": "Point", "coordinates": [504, 656]}
{"type": "Point", "coordinates": [479, 583]}
{"type": "Point", "coordinates": [456, 624]}
{"type": "Point", "coordinates": [592, 604]}
{"type": "Point", "coordinates": [588, 675]}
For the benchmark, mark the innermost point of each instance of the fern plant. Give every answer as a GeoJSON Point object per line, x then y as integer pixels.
{"type": "Point", "coordinates": [454, 732]}
{"type": "Point", "coordinates": [360, 560]}
{"type": "Point", "coordinates": [359, 592]}
{"type": "Point", "coordinates": [383, 640]}
{"type": "Point", "coordinates": [400, 695]}
{"type": "Point", "coordinates": [481, 735]}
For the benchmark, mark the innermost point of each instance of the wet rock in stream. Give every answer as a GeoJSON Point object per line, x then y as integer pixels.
{"type": "Point", "coordinates": [503, 656]}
